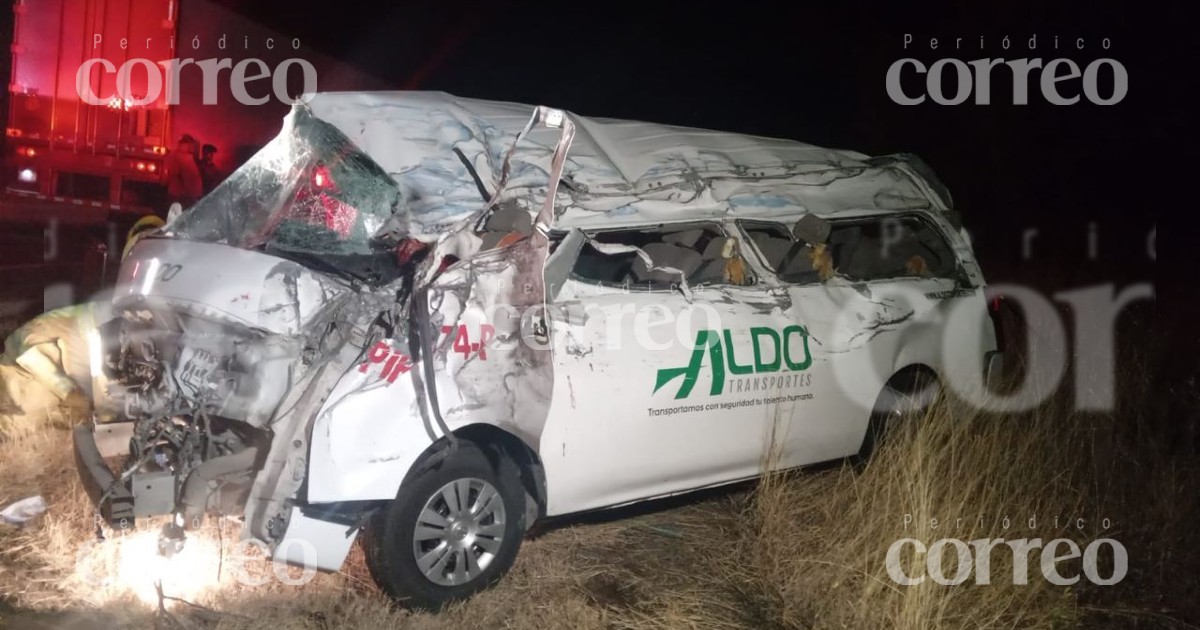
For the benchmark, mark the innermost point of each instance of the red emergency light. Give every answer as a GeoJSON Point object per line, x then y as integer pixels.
{"type": "Point", "coordinates": [122, 104]}
{"type": "Point", "coordinates": [321, 178]}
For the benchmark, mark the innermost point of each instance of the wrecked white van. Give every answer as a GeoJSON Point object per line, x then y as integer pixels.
{"type": "Point", "coordinates": [434, 320]}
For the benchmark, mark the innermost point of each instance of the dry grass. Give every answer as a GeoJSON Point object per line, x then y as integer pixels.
{"type": "Point", "coordinates": [822, 539]}
{"type": "Point", "coordinates": [630, 572]}
{"type": "Point", "coordinates": [802, 550]}
{"type": "Point", "coordinates": [819, 545]}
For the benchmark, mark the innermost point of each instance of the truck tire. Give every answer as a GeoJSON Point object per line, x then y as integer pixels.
{"type": "Point", "coordinates": [453, 530]}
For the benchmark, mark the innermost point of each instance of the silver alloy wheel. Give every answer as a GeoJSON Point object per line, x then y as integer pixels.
{"type": "Point", "coordinates": [459, 531]}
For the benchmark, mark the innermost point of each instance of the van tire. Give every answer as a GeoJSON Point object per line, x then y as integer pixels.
{"type": "Point", "coordinates": [390, 542]}
{"type": "Point", "coordinates": [905, 398]}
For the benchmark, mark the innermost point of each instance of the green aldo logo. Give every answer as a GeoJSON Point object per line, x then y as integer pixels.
{"type": "Point", "coordinates": [783, 346]}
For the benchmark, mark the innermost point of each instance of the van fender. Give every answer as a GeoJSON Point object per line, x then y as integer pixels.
{"type": "Point", "coordinates": [371, 429]}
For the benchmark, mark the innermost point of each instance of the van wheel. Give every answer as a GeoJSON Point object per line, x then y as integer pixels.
{"type": "Point", "coordinates": [453, 530]}
{"type": "Point", "coordinates": [906, 398]}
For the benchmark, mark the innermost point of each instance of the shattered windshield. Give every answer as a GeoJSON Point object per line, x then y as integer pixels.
{"type": "Point", "coordinates": [310, 195]}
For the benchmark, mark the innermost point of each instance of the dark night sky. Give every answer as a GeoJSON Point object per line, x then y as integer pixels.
{"type": "Point", "coordinates": [815, 72]}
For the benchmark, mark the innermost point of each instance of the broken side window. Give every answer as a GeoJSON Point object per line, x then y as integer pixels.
{"type": "Point", "coordinates": [860, 249]}
{"type": "Point", "coordinates": [891, 247]}
{"type": "Point", "coordinates": [789, 258]}
{"type": "Point", "coordinates": [704, 253]}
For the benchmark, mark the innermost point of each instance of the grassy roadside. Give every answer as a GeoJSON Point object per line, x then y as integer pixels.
{"type": "Point", "coordinates": [795, 550]}
{"type": "Point", "coordinates": [819, 543]}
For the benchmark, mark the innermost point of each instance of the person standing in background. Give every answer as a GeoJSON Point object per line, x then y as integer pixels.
{"type": "Point", "coordinates": [185, 183]}
{"type": "Point", "coordinates": [209, 174]}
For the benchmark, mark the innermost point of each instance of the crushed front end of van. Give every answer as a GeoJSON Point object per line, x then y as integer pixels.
{"type": "Point", "coordinates": [249, 336]}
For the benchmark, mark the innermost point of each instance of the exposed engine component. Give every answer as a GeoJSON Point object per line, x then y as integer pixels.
{"type": "Point", "coordinates": [196, 392]}
{"type": "Point", "coordinates": [167, 363]}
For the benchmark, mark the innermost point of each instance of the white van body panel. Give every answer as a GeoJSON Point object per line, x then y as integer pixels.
{"type": "Point", "coordinates": [611, 439]}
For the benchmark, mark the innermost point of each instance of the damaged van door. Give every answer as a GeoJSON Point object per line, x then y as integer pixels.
{"type": "Point", "coordinates": [656, 348]}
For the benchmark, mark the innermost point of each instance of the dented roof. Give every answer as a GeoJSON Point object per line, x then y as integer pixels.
{"type": "Point", "coordinates": [625, 171]}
